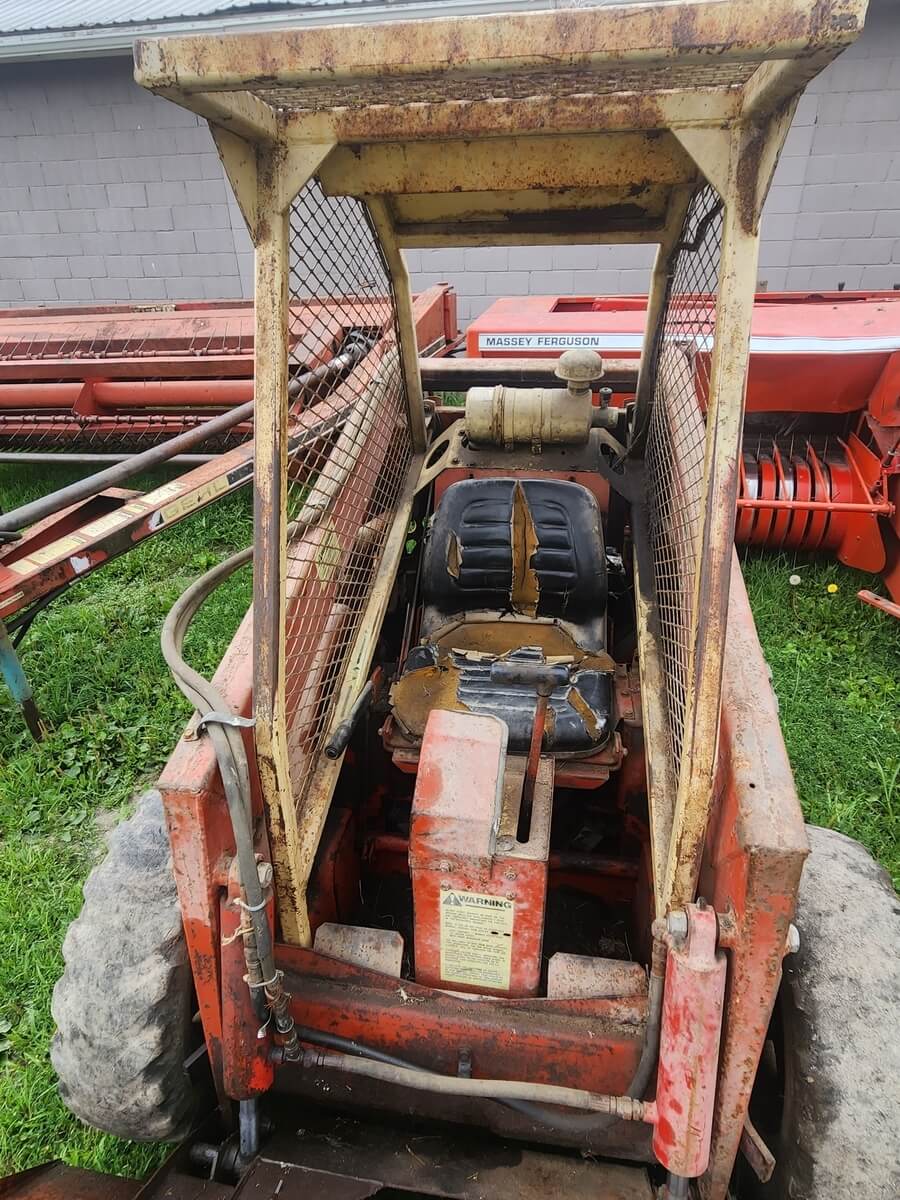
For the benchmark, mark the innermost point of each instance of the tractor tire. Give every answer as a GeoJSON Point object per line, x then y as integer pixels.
{"type": "Point", "coordinates": [828, 1090]}
{"type": "Point", "coordinates": [124, 1004]}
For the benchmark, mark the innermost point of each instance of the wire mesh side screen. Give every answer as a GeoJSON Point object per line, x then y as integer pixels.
{"type": "Point", "coordinates": [349, 451]}
{"type": "Point", "coordinates": [676, 447]}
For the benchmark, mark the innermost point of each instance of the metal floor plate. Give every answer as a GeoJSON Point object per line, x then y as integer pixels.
{"type": "Point", "coordinates": [349, 1160]}
{"type": "Point", "coordinates": [56, 1181]}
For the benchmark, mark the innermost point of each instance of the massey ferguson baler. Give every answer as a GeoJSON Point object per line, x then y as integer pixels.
{"type": "Point", "coordinates": [820, 468]}
{"type": "Point", "coordinates": [480, 870]}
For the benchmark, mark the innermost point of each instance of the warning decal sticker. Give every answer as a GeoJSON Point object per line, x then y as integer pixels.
{"type": "Point", "coordinates": [476, 939]}
{"type": "Point", "coordinates": [190, 500]}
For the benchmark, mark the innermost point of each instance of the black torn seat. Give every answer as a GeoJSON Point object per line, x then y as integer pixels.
{"type": "Point", "coordinates": [513, 569]}
{"type": "Point", "coordinates": [531, 547]}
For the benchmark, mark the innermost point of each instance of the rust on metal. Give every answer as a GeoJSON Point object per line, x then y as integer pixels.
{"type": "Point", "coordinates": [756, 847]}
{"type": "Point", "coordinates": [56, 1181]}
{"type": "Point", "coordinates": [756, 1152]}
{"type": "Point", "coordinates": [344, 1158]}
{"type": "Point", "coordinates": [386, 91]}
{"type": "Point", "coordinates": [571, 976]}
{"type": "Point", "coordinates": [651, 123]}
{"type": "Point", "coordinates": [355, 65]}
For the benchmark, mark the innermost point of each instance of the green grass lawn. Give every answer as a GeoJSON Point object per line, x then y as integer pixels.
{"type": "Point", "coordinates": [836, 669]}
{"type": "Point", "coordinates": [98, 674]}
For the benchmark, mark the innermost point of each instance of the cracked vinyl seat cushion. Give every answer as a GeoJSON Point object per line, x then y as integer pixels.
{"type": "Point", "coordinates": [526, 548]}
{"type": "Point", "coordinates": [514, 570]}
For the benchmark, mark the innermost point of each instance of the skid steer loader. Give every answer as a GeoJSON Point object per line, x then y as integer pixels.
{"type": "Point", "coordinates": [477, 872]}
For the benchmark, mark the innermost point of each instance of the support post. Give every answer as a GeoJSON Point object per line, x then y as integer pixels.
{"type": "Point", "coordinates": [409, 348]}
{"type": "Point", "coordinates": [663, 265]}
{"type": "Point", "coordinates": [727, 164]}
{"type": "Point", "coordinates": [279, 174]}
{"type": "Point", "coordinates": [270, 519]}
{"type": "Point", "coordinates": [661, 783]}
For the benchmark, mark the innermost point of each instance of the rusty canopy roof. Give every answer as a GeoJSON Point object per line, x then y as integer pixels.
{"type": "Point", "coordinates": [578, 118]}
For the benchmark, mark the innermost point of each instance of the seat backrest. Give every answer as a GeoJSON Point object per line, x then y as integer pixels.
{"type": "Point", "coordinates": [527, 547]}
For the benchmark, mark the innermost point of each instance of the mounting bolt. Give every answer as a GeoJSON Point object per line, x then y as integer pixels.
{"type": "Point", "coordinates": [509, 875]}
{"type": "Point", "coordinates": [792, 941]}
{"type": "Point", "coordinates": [445, 885]}
{"type": "Point", "coordinates": [443, 865]}
{"type": "Point", "coordinates": [505, 843]}
{"type": "Point", "coordinates": [677, 925]}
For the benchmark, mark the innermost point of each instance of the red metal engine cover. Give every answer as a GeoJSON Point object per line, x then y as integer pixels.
{"type": "Point", "coordinates": [478, 898]}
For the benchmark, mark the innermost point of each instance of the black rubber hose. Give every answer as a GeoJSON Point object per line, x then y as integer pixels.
{"type": "Point", "coordinates": [227, 743]}
{"type": "Point", "coordinates": [578, 1123]}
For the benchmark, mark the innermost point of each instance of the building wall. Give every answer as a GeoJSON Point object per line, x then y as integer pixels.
{"type": "Point", "coordinates": [108, 193]}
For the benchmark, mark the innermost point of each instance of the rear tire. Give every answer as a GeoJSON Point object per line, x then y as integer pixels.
{"type": "Point", "coordinates": [124, 1003]}
{"type": "Point", "coordinates": [828, 1089]}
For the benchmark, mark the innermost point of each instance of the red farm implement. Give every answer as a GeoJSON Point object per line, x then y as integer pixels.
{"type": "Point", "coordinates": [820, 469]}
{"type": "Point", "coordinates": [178, 382]}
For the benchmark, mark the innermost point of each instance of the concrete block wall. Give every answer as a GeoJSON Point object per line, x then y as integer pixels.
{"type": "Point", "coordinates": [108, 194]}
{"type": "Point", "coordinates": [481, 275]}
{"type": "Point", "coordinates": [832, 218]}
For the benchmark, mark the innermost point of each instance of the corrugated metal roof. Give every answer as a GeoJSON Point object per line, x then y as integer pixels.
{"type": "Point", "coordinates": [57, 29]}
{"type": "Point", "coordinates": [41, 15]}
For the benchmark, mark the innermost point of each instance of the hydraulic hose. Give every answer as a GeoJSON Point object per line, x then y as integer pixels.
{"type": "Point", "coordinates": [579, 1124]}
{"type": "Point", "coordinates": [228, 745]}
{"type": "Point", "coordinates": [227, 741]}
{"type": "Point", "coordinates": [621, 1107]}
{"type": "Point", "coordinates": [263, 976]}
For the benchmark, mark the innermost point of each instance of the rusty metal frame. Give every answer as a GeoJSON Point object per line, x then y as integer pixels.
{"type": "Point", "coordinates": [739, 164]}
{"type": "Point", "coordinates": [459, 132]}
{"type": "Point", "coordinates": [750, 870]}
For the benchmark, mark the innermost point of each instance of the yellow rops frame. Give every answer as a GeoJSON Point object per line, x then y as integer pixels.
{"type": "Point", "coordinates": [571, 126]}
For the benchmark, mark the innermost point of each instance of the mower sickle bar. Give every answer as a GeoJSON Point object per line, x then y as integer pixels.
{"type": "Point", "coordinates": [91, 377]}
{"type": "Point", "coordinates": [71, 543]}
{"type": "Point", "coordinates": [125, 377]}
